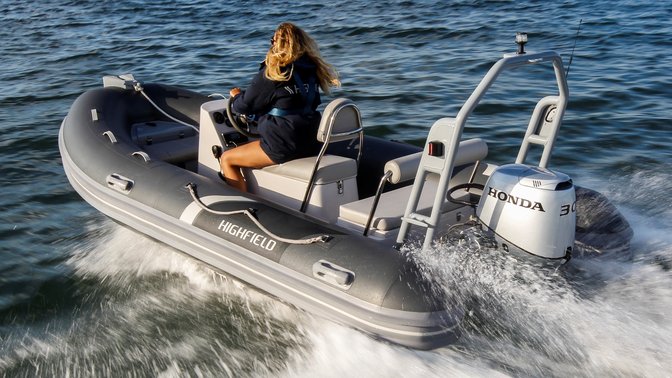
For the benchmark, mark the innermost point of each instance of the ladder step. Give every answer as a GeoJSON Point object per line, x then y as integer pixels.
{"type": "Point", "coordinates": [537, 139]}
{"type": "Point", "coordinates": [417, 219]}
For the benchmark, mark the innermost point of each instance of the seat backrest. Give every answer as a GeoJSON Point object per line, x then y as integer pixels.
{"type": "Point", "coordinates": [341, 120]}
{"type": "Point", "coordinates": [404, 168]}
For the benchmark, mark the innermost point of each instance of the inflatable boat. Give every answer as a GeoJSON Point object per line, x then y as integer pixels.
{"type": "Point", "coordinates": [328, 233]}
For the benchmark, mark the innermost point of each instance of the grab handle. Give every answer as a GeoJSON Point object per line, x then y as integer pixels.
{"type": "Point", "coordinates": [143, 155]}
{"type": "Point", "coordinates": [111, 136]}
{"type": "Point", "coordinates": [333, 274]}
{"type": "Point", "coordinates": [119, 183]}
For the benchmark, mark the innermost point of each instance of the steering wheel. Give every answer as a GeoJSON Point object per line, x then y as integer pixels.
{"type": "Point", "coordinates": [469, 185]}
{"type": "Point", "coordinates": [237, 121]}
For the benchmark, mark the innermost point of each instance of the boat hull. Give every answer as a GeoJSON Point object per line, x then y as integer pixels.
{"type": "Point", "coordinates": [388, 297]}
{"type": "Point", "coordinates": [351, 279]}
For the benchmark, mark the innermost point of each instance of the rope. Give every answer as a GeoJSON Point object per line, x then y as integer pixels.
{"type": "Point", "coordinates": [250, 214]}
{"type": "Point", "coordinates": [571, 57]}
{"type": "Point", "coordinates": [138, 88]}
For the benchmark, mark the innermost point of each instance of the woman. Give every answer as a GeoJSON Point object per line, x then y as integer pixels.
{"type": "Point", "coordinates": [286, 92]}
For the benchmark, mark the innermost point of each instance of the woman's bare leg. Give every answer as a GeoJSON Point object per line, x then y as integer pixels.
{"type": "Point", "coordinates": [249, 155]}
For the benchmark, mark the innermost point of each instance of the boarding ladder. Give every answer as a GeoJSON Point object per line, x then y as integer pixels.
{"type": "Point", "coordinates": [444, 137]}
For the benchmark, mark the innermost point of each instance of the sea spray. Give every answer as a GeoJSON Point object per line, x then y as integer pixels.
{"type": "Point", "coordinates": [144, 309]}
{"type": "Point", "coordinates": [539, 321]}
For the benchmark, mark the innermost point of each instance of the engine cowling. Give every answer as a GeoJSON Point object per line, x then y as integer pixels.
{"type": "Point", "coordinates": [531, 209]}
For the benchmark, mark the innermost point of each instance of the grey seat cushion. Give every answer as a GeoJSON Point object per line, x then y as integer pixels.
{"type": "Point", "coordinates": [332, 168]}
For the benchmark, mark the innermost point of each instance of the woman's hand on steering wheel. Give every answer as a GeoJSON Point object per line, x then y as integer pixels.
{"type": "Point", "coordinates": [236, 120]}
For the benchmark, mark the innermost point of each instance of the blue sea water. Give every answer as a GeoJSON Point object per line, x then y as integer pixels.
{"type": "Point", "coordinates": [83, 296]}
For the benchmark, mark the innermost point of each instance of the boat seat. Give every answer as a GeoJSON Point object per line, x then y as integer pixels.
{"type": "Point", "coordinates": [391, 205]}
{"type": "Point", "coordinates": [332, 168]}
{"type": "Point", "coordinates": [316, 185]}
{"type": "Point", "coordinates": [390, 208]}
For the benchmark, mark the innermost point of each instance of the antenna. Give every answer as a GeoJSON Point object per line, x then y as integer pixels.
{"type": "Point", "coordinates": [571, 57]}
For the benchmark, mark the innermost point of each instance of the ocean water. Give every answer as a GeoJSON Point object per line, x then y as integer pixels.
{"type": "Point", "coordinates": [83, 296]}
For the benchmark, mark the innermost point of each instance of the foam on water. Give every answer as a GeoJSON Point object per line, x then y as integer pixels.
{"type": "Point", "coordinates": [337, 351]}
{"type": "Point", "coordinates": [599, 317]}
{"type": "Point", "coordinates": [145, 309]}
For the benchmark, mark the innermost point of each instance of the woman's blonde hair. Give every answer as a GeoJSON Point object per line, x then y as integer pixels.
{"type": "Point", "coordinates": [289, 43]}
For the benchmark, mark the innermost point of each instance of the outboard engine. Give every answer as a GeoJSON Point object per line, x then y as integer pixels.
{"type": "Point", "coordinates": [530, 209]}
